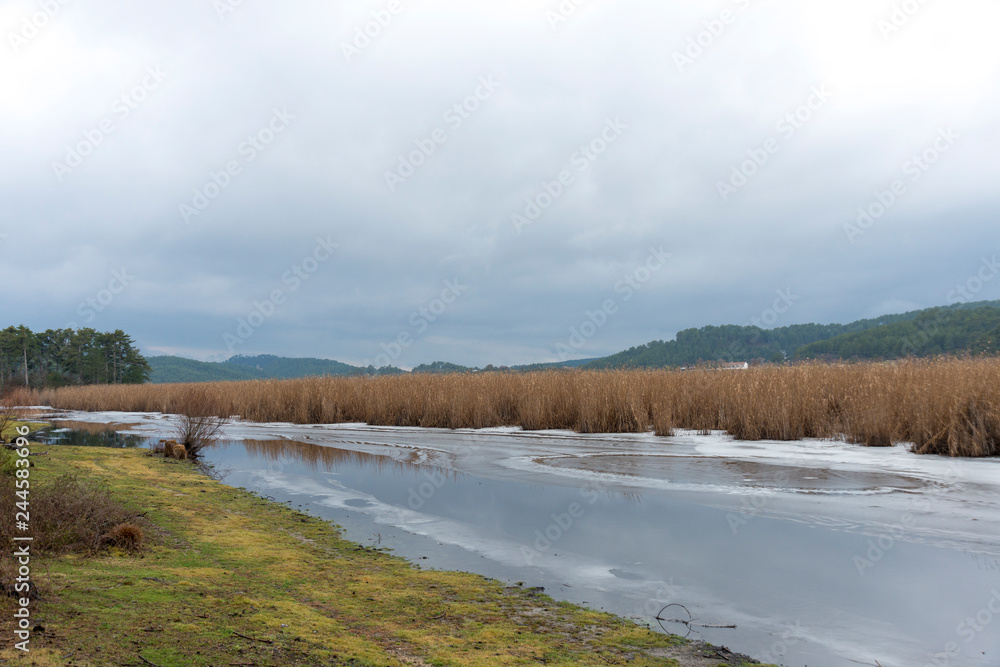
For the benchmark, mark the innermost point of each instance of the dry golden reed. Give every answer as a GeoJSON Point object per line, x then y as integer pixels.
{"type": "Point", "coordinates": [942, 406]}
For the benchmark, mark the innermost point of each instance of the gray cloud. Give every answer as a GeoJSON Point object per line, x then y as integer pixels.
{"type": "Point", "coordinates": [324, 175]}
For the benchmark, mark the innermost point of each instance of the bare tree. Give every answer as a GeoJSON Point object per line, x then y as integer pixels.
{"type": "Point", "coordinates": [7, 419]}
{"type": "Point", "coordinates": [196, 432]}
{"type": "Point", "coordinates": [10, 414]}
{"type": "Point", "coordinates": [198, 425]}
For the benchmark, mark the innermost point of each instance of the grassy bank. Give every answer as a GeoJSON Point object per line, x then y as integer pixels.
{"type": "Point", "coordinates": [945, 406]}
{"type": "Point", "coordinates": [229, 579]}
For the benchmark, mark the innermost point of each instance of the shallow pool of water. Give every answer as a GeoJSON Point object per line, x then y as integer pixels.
{"type": "Point", "coordinates": [77, 434]}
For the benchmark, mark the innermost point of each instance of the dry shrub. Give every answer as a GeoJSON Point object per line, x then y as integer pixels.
{"type": "Point", "coordinates": [944, 406]}
{"type": "Point", "coordinates": [127, 536]}
{"type": "Point", "coordinates": [69, 514]}
{"type": "Point", "coordinates": [8, 581]}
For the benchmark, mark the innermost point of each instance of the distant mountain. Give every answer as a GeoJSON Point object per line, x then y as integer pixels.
{"type": "Point", "coordinates": [283, 367]}
{"type": "Point", "coordinates": [441, 367]}
{"type": "Point", "coordinates": [963, 327]}
{"type": "Point", "coordinates": [177, 369]}
{"type": "Point", "coordinates": [575, 363]}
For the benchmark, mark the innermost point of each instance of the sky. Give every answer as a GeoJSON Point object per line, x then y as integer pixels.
{"type": "Point", "coordinates": [395, 182]}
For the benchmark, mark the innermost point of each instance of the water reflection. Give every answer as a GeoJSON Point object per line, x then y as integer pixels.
{"type": "Point", "coordinates": [328, 459]}
{"type": "Point", "coordinates": [88, 427]}
{"type": "Point", "coordinates": [78, 434]}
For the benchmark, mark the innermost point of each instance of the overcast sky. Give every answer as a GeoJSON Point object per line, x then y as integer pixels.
{"type": "Point", "coordinates": [418, 180]}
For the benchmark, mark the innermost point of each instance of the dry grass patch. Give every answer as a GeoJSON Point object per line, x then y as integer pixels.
{"type": "Point", "coordinates": [72, 514]}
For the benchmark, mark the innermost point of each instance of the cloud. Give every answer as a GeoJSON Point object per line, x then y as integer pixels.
{"type": "Point", "coordinates": [206, 128]}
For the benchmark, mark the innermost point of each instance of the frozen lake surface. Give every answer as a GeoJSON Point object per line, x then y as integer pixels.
{"type": "Point", "coordinates": [820, 553]}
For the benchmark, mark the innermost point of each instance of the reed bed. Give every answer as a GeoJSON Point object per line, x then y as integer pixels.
{"type": "Point", "coordinates": [942, 406]}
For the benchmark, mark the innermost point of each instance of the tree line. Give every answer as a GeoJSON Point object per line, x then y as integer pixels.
{"type": "Point", "coordinates": [60, 357]}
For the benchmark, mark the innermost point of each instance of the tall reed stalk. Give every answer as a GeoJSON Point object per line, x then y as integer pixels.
{"type": "Point", "coordinates": [943, 406]}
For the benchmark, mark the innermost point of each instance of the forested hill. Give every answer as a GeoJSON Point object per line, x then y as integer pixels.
{"type": "Point", "coordinates": [444, 367]}
{"type": "Point", "coordinates": [956, 328]}
{"type": "Point", "coordinates": [178, 369]}
{"type": "Point", "coordinates": [284, 367]}
{"type": "Point", "coordinates": [933, 332]}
